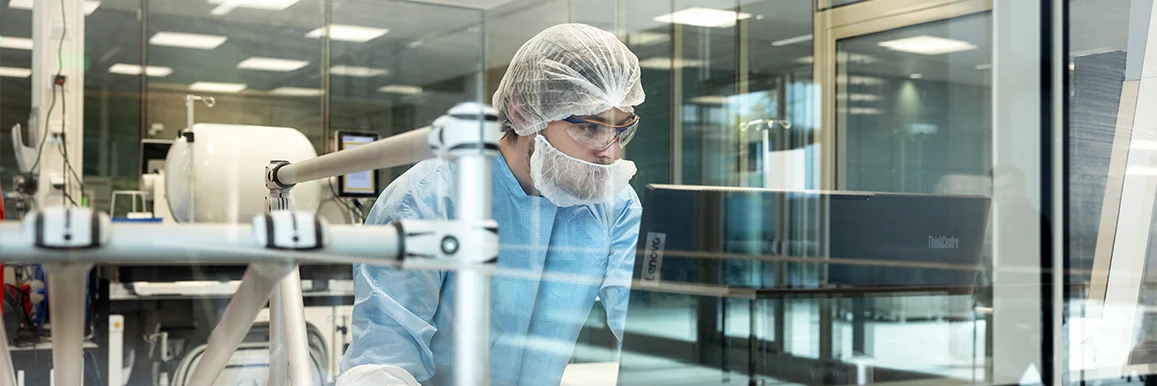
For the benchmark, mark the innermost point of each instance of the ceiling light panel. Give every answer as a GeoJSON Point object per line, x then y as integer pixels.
{"type": "Point", "coordinates": [132, 69]}
{"type": "Point", "coordinates": [710, 100]}
{"type": "Point", "coordinates": [789, 41]}
{"type": "Point", "coordinates": [666, 63]}
{"type": "Point", "coordinates": [217, 87]}
{"type": "Point", "coordinates": [16, 43]}
{"type": "Point", "coordinates": [355, 71]}
{"type": "Point", "coordinates": [704, 17]}
{"type": "Point", "coordinates": [927, 45]}
{"type": "Point", "coordinates": [13, 72]}
{"type": "Point", "coordinates": [272, 64]}
{"type": "Point", "coordinates": [184, 40]}
{"type": "Point", "coordinates": [646, 38]}
{"type": "Point", "coordinates": [349, 33]}
{"type": "Point", "coordinates": [296, 91]}
{"type": "Point", "coordinates": [90, 6]}
{"type": "Point", "coordinates": [473, 4]}
{"type": "Point", "coordinates": [269, 5]}
{"type": "Point", "coordinates": [401, 89]}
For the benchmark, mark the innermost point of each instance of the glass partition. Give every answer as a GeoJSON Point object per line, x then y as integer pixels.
{"type": "Point", "coordinates": [827, 191]}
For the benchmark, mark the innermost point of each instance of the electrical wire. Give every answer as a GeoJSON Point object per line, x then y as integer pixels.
{"type": "Point", "coordinates": [44, 138]}
{"type": "Point", "coordinates": [336, 197]}
{"type": "Point", "coordinates": [64, 114]}
{"type": "Point", "coordinates": [52, 105]}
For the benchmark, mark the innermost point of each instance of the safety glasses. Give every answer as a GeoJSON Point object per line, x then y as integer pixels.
{"type": "Point", "coordinates": [599, 136]}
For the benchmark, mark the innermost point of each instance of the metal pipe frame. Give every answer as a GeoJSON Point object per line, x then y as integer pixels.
{"type": "Point", "coordinates": [274, 268]}
{"type": "Point", "coordinates": [471, 320]}
{"type": "Point", "coordinates": [278, 361]}
{"type": "Point", "coordinates": [398, 150]}
{"type": "Point", "coordinates": [67, 284]}
{"type": "Point", "coordinates": [293, 330]}
{"type": "Point", "coordinates": [203, 244]}
{"type": "Point", "coordinates": [247, 302]}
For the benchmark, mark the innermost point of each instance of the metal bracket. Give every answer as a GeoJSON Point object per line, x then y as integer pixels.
{"type": "Point", "coordinates": [69, 228]}
{"type": "Point", "coordinates": [468, 128]}
{"type": "Point", "coordinates": [279, 197]}
{"type": "Point", "coordinates": [289, 230]}
{"type": "Point", "coordinates": [425, 244]}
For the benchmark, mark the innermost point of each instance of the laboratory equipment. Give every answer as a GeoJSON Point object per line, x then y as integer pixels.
{"type": "Point", "coordinates": [226, 181]}
{"type": "Point", "coordinates": [69, 240]}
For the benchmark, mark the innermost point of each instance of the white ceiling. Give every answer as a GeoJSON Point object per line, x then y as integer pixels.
{"type": "Point", "coordinates": [434, 46]}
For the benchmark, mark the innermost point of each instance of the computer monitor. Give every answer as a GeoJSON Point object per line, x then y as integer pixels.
{"type": "Point", "coordinates": [736, 237]}
{"type": "Point", "coordinates": [360, 184]}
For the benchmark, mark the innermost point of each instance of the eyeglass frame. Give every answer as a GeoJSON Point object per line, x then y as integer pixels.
{"type": "Point", "coordinates": [619, 129]}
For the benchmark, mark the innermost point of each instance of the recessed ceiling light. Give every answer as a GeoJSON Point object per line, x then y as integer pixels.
{"type": "Point", "coordinates": [16, 43]}
{"type": "Point", "coordinates": [982, 67]}
{"type": "Point", "coordinates": [272, 64]}
{"type": "Point", "coordinates": [217, 87]}
{"type": "Point", "coordinates": [13, 72]}
{"type": "Point", "coordinates": [132, 69]}
{"type": "Point", "coordinates": [859, 97]}
{"type": "Point", "coordinates": [864, 111]}
{"type": "Point", "coordinates": [927, 45]}
{"type": "Point", "coordinates": [916, 76]}
{"type": "Point", "coordinates": [296, 91]}
{"type": "Point", "coordinates": [349, 33]}
{"type": "Point", "coordinates": [788, 41]}
{"type": "Point", "coordinates": [401, 89]}
{"type": "Point", "coordinates": [361, 72]}
{"type": "Point", "coordinates": [709, 100]}
{"type": "Point", "coordinates": [859, 80]}
{"type": "Point", "coordinates": [704, 17]}
{"type": "Point", "coordinates": [178, 39]}
{"type": "Point", "coordinates": [226, 6]}
{"type": "Point", "coordinates": [90, 6]}
{"type": "Point", "coordinates": [842, 58]}
{"type": "Point", "coordinates": [666, 63]}
{"type": "Point", "coordinates": [646, 38]}
{"type": "Point", "coordinates": [473, 4]}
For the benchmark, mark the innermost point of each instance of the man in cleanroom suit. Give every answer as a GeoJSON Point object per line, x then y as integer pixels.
{"type": "Point", "coordinates": [568, 223]}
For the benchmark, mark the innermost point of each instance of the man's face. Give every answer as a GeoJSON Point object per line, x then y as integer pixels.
{"type": "Point", "coordinates": [556, 133]}
{"type": "Point", "coordinates": [581, 182]}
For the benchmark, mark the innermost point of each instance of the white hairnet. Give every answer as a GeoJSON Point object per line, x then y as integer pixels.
{"type": "Point", "coordinates": [567, 69]}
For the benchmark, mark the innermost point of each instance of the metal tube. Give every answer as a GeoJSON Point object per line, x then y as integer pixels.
{"type": "Point", "coordinates": [398, 150]}
{"type": "Point", "coordinates": [278, 361]}
{"type": "Point", "coordinates": [472, 291]}
{"type": "Point", "coordinates": [296, 343]}
{"type": "Point", "coordinates": [203, 244]}
{"type": "Point", "coordinates": [66, 303]}
{"type": "Point", "coordinates": [189, 111]}
{"type": "Point", "coordinates": [247, 302]}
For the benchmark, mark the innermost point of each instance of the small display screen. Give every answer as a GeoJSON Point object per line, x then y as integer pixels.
{"type": "Point", "coordinates": [360, 183]}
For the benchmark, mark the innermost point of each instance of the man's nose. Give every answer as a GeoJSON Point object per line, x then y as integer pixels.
{"type": "Point", "coordinates": [613, 153]}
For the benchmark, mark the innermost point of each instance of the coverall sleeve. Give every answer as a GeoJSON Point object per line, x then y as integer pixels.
{"type": "Point", "coordinates": [394, 310]}
{"type": "Point", "coordinates": [616, 288]}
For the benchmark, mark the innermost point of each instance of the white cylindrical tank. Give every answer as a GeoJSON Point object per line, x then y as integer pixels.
{"type": "Point", "coordinates": [220, 174]}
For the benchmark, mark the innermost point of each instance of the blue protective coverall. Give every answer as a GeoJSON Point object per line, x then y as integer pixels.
{"type": "Point", "coordinates": [553, 263]}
